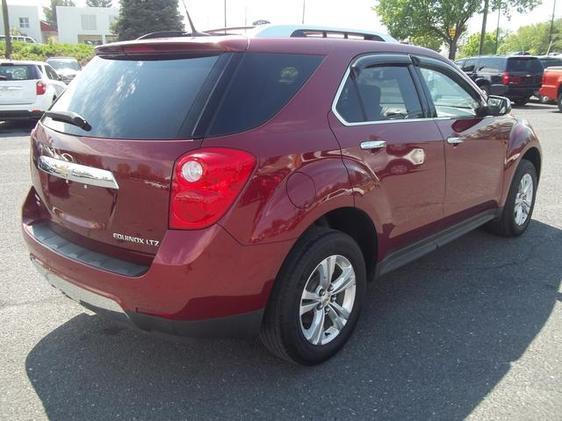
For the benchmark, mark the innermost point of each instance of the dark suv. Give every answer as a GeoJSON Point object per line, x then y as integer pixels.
{"type": "Point", "coordinates": [516, 77]}
{"type": "Point", "coordinates": [226, 186]}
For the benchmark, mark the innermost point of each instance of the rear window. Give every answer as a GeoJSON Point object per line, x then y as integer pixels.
{"type": "Point", "coordinates": [261, 86]}
{"type": "Point", "coordinates": [529, 65]}
{"type": "Point", "coordinates": [135, 99]}
{"type": "Point", "coordinates": [18, 72]}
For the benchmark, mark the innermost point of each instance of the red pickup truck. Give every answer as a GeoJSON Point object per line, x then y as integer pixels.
{"type": "Point", "coordinates": [552, 85]}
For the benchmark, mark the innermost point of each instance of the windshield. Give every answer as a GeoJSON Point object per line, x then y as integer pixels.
{"type": "Point", "coordinates": [64, 64]}
{"type": "Point", "coordinates": [135, 99]}
{"type": "Point", "coordinates": [529, 65]}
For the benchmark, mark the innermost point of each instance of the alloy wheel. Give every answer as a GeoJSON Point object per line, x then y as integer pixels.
{"type": "Point", "coordinates": [327, 300]}
{"type": "Point", "coordinates": [523, 199]}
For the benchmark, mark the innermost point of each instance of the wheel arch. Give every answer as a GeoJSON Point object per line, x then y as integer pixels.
{"type": "Point", "coordinates": [359, 226]}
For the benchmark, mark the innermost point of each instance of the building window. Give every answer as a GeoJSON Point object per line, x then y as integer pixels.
{"type": "Point", "coordinates": [89, 22]}
{"type": "Point", "coordinates": [24, 22]}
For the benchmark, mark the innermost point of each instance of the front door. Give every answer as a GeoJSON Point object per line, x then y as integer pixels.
{"type": "Point", "coordinates": [475, 145]}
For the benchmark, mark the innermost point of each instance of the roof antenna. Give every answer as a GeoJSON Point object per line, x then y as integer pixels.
{"type": "Point", "coordinates": [194, 32]}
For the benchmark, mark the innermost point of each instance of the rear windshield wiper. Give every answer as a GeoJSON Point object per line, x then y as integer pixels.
{"type": "Point", "coordinates": [70, 118]}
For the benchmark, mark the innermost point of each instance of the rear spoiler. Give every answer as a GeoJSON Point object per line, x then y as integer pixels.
{"type": "Point", "coordinates": [171, 46]}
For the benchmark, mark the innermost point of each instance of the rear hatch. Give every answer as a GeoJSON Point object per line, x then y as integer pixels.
{"type": "Point", "coordinates": [18, 83]}
{"type": "Point", "coordinates": [141, 112]}
{"type": "Point", "coordinates": [524, 71]}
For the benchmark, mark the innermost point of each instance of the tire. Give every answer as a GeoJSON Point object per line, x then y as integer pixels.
{"type": "Point", "coordinates": [509, 224]}
{"type": "Point", "coordinates": [284, 331]}
{"type": "Point", "coordinates": [559, 102]}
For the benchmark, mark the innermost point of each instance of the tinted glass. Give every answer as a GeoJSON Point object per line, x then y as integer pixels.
{"type": "Point", "coordinates": [261, 86]}
{"type": "Point", "coordinates": [492, 64]}
{"type": "Point", "coordinates": [450, 98]}
{"type": "Point", "coordinates": [388, 93]}
{"type": "Point", "coordinates": [51, 74]}
{"type": "Point", "coordinates": [520, 64]}
{"type": "Point", "coordinates": [548, 62]}
{"type": "Point", "coordinates": [349, 106]}
{"type": "Point", "coordinates": [18, 72]}
{"type": "Point", "coordinates": [134, 99]}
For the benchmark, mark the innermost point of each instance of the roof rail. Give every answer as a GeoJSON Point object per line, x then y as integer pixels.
{"type": "Point", "coordinates": [172, 34]}
{"type": "Point", "coordinates": [224, 31]}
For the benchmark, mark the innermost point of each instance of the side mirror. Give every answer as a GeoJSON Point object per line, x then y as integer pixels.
{"type": "Point", "coordinates": [498, 105]}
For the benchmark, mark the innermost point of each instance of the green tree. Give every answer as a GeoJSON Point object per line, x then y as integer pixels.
{"type": "Point", "coordinates": [138, 17]}
{"type": "Point", "coordinates": [446, 20]}
{"type": "Point", "coordinates": [428, 41]}
{"type": "Point", "coordinates": [534, 39]}
{"type": "Point", "coordinates": [472, 44]}
{"type": "Point", "coordinates": [99, 3]}
{"type": "Point", "coordinates": [51, 12]}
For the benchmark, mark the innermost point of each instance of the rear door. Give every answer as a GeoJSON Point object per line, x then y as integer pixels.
{"type": "Point", "coordinates": [475, 146]}
{"type": "Point", "coordinates": [142, 114]}
{"type": "Point", "coordinates": [379, 122]}
{"type": "Point", "coordinates": [18, 83]}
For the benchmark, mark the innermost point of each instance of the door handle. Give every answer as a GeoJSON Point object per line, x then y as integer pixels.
{"type": "Point", "coordinates": [373, 144]}
{"type": "Point", "coordinates": [455, 140]}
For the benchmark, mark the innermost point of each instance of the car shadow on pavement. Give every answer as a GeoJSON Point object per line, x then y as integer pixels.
{"type": "Point", "coordinates": [16, 128]}
{"type": "Point", "coordinates": [435, 338]}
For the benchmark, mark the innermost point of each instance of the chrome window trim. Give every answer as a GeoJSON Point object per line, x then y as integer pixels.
{"type": "Point", "coordinates": [366, 123]}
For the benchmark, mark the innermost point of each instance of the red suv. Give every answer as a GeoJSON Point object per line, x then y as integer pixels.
{"type": "Point", "coordinates": [226, 186]}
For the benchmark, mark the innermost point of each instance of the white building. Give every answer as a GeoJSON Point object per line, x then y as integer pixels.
{"type": "Point", "coordinates": [25, 20]}
{"type": "Point", "coordinates": [85, 24]}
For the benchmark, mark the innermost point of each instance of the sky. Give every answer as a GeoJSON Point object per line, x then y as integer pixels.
{"type": "Point", "coordinates": [209, 14]}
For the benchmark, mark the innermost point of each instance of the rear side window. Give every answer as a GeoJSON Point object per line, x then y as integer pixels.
{"type": "Point", "coordinates": [380, 93]}
{"type": "Point", "coordinates": [18, 72]}
{"type": "Point", "coordinates": [261, 86]}
{"type": "Point", "coordinates": [135, 99]}
{"type": "Point", "coordinates": [520, 64]}
{"type": "Point", "coordinates": [492, 65]}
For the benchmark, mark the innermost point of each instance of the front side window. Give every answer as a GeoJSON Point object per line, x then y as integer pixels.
{"type": "Point", "coordinates": [448, 96]}
{"type": "Point", "coordinates": [379, 93]}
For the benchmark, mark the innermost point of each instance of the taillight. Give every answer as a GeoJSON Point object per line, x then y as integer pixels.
{"type": "Point", "coordinates": [205, 184]}
{"type": "Point", "coordinates": [40, 88]}
{"type": "Point", "coordinates": [505, 78]}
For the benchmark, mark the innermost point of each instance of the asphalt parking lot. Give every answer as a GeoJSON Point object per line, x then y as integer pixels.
{"type": "Point", "coordinates": [472, 330]}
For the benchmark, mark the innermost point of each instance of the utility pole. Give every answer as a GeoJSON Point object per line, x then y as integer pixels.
{"type": "Point", "coordinates": [225, 15]}
{"type": "Point", "coordinates": [483, 32]}
{"type": "Point", "coordinates": [551, 27]}
{"type": "Point", "coordinates": [7, 36]}
{"type": "Point", "coordinates": [498, 26]}
{"type": "Point", "coordinates": [303, 10]}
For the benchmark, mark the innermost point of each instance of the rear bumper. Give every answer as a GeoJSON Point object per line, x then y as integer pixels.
{"type": "Point", "coordinates": [238, 326]}
{"type": "Point", "coordinates": [521, 92]}
{"type": "Point", "coordinates": [200, 283]}
{"type": "Point", "coordinates": [20, 115]}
